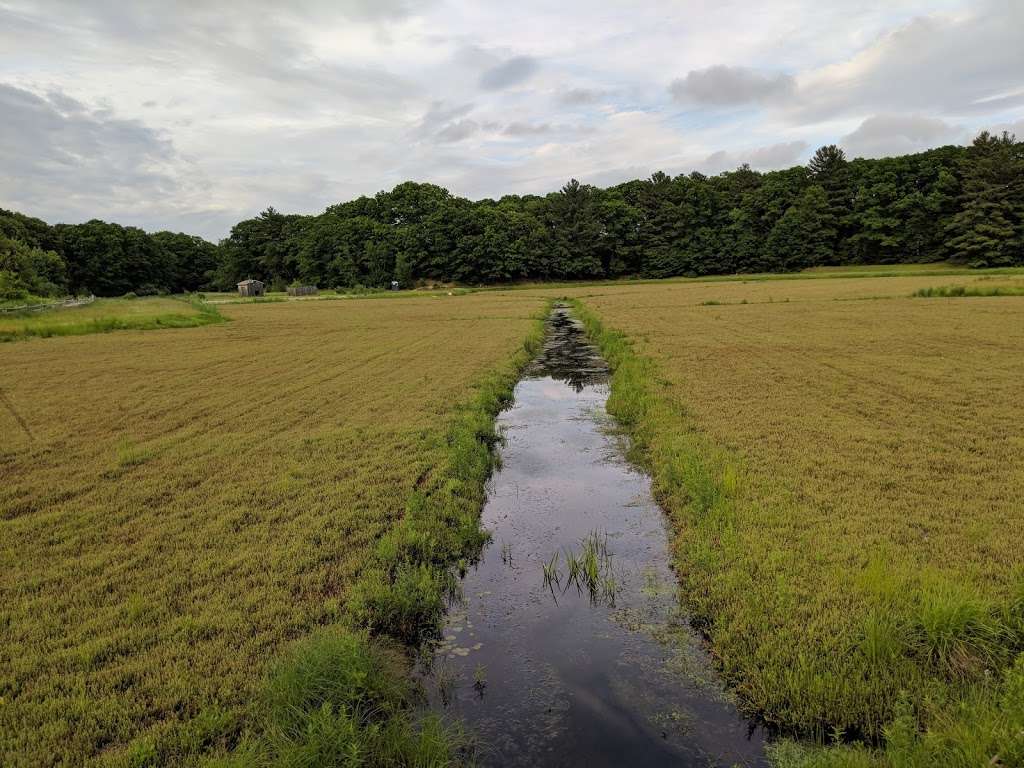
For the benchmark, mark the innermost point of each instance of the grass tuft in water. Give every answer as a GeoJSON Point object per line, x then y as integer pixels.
{"type": "Point", "coordinates": [590, 570]}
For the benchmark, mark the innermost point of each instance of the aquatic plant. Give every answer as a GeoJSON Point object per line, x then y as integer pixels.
{"type": "Point", "coordinates": [552, 577]}
{"type": "Point", "coordinates": [590, 569]}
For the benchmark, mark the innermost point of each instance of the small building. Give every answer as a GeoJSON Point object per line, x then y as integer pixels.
{"type": "Point", "coordinates": [303, 290]}
{"type": "Point", "coordinates": [250, 288]}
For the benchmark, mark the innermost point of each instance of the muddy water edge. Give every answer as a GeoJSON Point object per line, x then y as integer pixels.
{"type": "Point", "coordinates": [567, 645]}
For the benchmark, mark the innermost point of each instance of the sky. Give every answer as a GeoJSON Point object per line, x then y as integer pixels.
{"type": "Point", "coordinates": [191, 115]}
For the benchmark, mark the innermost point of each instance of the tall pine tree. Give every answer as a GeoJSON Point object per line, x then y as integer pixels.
{"type": "Point", "coordinates": [989, 229]}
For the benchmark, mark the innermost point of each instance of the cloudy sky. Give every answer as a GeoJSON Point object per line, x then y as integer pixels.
{"type": "Point", "coordinates": [193, 114]}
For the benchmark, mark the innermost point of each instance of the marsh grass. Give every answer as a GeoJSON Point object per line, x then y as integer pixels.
{"type": "Point", "coordinates": [552, 574]}
{"type": "Point", "coordinates": [131, 455]}
{"type": "Point", "coordinates": [590, 569]}
{"type": "Point", "coordinates": [403, 593]}
{"type": "Point", "coordinates": [187, 505]}
{"type": "Point", "coordinates": [480, 678]}
{"type": "Point", "coordinates": [958, 633]}
{"type": "Point", "coordinates": [339, 698]}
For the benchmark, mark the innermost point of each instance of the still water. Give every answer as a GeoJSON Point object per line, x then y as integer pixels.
{"type": "Point", "coordinates": [568, 646]}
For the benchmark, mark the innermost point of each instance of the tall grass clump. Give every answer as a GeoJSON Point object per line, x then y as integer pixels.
{"type": "Point", "coordinates": [956, 291]}
{"type": "Point", "coordinates": [958, 633]}
{"type": "Point", "coordinates": [339, 698]}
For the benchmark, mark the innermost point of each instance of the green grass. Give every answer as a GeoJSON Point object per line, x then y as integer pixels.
{"type": "Point", "coordinates": [956, 291]}
{"type": "Point", "coordinates": [27, 300]}
{"type": "Point", "coordinates": [105, 315]}
{"type": "Point", "coordinates": [338, 295]}
{"type": "Point", "coordinates": [941, 269]}
{"type": "Point", "coordinates": [339, 698]}
{"type": "Point", "coordinates": [934, 677]}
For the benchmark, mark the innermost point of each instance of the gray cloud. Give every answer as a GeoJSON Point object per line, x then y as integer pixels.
{"type": "Point", "coordinates": [887, 135]}
{"type": "Point", "coordinates": [457, 131]}
{"type": "Point", "coordinates": [447, 123]}
{"type": "Point", "coordinates": [730, 86]}
{"type": "Point", "coordinates": [264, 51]}
{"type": "Point", "coordinates": [1016, 128]}
{"type": "Point", "coordinates": [508, 73]}
{"type": "Point", "coordinates": [57, 143]}
{"type": "Point", "coordinates": [526, 129]}
{"type": "Point", "coordinates": [783, 155]}
{"type": "Point", "coordinates": [581, 96]}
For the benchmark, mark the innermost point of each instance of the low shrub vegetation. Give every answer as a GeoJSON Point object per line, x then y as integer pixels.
{"type": "Point", "coordinates": [955, 291]}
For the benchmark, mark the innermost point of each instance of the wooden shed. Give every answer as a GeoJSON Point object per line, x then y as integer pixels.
{"type": "Point", "coordinates": [303, 290]}
{"type": "Point", "coordinates": [250, 288]}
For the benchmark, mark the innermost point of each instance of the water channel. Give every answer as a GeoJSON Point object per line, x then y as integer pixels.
{"type": "Point", "coordinates": [568, 646]}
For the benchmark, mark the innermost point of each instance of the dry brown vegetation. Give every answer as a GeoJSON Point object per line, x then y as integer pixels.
{"type": "Point", "coordinates": [847, 483]}
{"type": "Point", "coordinates": [176, 505]}
{"type": "Point", "coordinates": [842, 461]}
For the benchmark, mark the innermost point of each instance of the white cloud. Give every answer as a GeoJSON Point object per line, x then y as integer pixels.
{"type": "Point", "coordinates": [969, 62]}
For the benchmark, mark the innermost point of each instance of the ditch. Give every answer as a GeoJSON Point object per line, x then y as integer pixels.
{"type": "Point", "coordinates": [567, 644]}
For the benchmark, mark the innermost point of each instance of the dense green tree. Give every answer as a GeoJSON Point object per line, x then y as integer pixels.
{"type": "Point", "coordinates": [29, 271]}
{"type": "Point", "coordinates": [964, 203]}
{"type": "Point", "coordinates": [575, 231]}
{"type": "Point", "coordinates": [190, 261]}
{"type": "Point", "coordinates": [803, 237]}
{"type": "Point", "coordinates": [988, 231]}
{"type": "Point", "coordinates": [264, 248]}
{"type": "Point", "coordinates": [830, 170]}
{"type": "Point", "coordinates": [35, 233]}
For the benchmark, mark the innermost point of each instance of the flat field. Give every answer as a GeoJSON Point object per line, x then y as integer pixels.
{"type": "Point", "coordinates": [177, 505]}
{"type": "Point", "coordinates": [844, 465]}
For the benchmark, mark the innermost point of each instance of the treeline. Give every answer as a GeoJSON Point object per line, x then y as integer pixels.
{"type": "Point", "coordinates": [37, 259]}
{"type": "Point", "coordinates": [963, 204]}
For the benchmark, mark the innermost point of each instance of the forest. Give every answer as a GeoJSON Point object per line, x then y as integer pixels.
{"type": "Point", "coordinates": [953, 203]}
